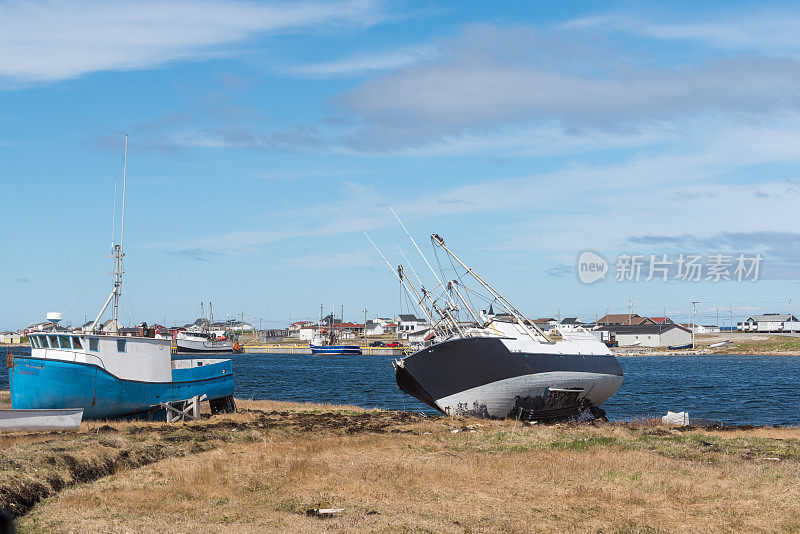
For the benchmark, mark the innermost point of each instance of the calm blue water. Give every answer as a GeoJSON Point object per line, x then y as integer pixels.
{"type": "Point", "coordinates": [759, 390]}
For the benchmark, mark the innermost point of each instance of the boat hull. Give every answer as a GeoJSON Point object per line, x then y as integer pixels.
{"type": "Point", "coordinates": [482, 377]}
{"type": "Point", "coordinates": [40, 420]}
{"type": "Point", "coordinates": [200, 346]}
{"type": "Point", "coordinates": [336, 349]}
{"type": "Point", "coordinates": [38, 383]}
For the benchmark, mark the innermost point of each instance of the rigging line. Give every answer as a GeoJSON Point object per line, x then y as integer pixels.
{"type": "Point", "coordinates": [86, 284]}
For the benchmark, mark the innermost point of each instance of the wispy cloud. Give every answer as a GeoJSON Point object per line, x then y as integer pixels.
{"type": "Point", "coordinates": [780, 249]}
{"type": "Point", "coordinates": [560, 270]}
{"type": "Point", "coordinates": [196, 254]}
{"type": "Point", "coordinates": [360, 64]}
{"type": "Point", "coordinates": [53, 40]}
{"type": "Point", "coordinates": [22, 281]}
{"type": "Point", "coordinates": [492, 81]}
{"type": "Point", "coordinates": [764, 29]}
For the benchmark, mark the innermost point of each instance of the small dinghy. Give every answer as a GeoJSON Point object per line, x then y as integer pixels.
{"type": "Point", "coordinates": [28, 420]}
{"type": "Point", "coordinates": [719, 344]}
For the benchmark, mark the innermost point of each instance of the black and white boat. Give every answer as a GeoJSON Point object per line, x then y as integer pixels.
{"type": "Point", "coordinates": [189, 342]}
{"type": "Point", "coordinates": [501, 365]}
{"type": "Point", "coordinates": [199, 337]}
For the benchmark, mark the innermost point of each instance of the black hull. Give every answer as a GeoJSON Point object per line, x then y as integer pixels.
{"type": "Point", "coordinates": [456, 377]}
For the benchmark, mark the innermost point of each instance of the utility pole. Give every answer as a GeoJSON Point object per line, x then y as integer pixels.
{"type": "Point", "coordinates": [694, 326]}
{"type": "Point", "coordinates": [630, 311]}
{"type": "Point", "coordinates": [731, 317]}
{"type": "Point", "coordinates": [791, 317]}
{"type": "Point", "coordinates": [365, 328]}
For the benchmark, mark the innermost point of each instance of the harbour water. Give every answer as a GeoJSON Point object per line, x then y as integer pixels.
{"type": "Point", "coordinates": [757, 390]}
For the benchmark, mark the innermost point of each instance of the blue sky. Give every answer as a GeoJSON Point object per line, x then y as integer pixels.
{"type": "Point", "coordinates": [265, 138]}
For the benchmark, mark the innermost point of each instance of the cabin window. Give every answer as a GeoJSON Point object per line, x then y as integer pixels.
{"type": "Point", "coordinates": [53, 341]}
{"type": "Point", "coordinates": [93, 342]}
{"type": "Point", "coordinates": [76, 343]}
{"type": "Point", "coordinates": [121, 345]}
{"type": "Point", "coordinates": [35, 342]}
{"type": "Point", "coordinates": [63, 342]}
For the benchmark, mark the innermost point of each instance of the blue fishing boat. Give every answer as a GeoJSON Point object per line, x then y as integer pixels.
{"type": "Point", "coordinates": [327, 339]}
{"type": "Point", "coordinates": [111, 375]}
{"type": "Point", "coordinates": [335, 349]}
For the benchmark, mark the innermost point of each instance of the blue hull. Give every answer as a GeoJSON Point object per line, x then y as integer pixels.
{"type": "Point", "coordinates": [38, 383]}
{"type": "Point", "coordinates": [336, 349]}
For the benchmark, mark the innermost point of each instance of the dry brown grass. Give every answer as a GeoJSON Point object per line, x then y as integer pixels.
{"type": "Point", "coordinates": [5, 399]}
{"type": "Point", "coordinates": [260, 471]}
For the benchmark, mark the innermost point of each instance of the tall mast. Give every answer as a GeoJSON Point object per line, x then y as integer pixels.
{"type": "Point", "coordinates": [402, 279]}
{"type": "Point", "coordinates": [521, 319]}
{"type": "Point", "coordinates": [441, 284]}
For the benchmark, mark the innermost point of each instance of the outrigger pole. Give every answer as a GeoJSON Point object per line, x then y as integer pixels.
{"type": "Point", "coordinates": [521, 319]}
{"type": "Point", "coordinates": [424, 309]}
{"type": "Point", "coordinates": [441, 284]}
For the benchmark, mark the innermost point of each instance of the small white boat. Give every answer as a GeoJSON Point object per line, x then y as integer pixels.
{"type": "Point", "coordinates": [719, 344]}
{"type": "Point", "coordinates": [27, 420]}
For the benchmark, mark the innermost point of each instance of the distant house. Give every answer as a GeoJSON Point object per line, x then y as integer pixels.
{"type": "Point", "coordinates": [662, 320]}
{"type": "Point", "coordinates": [294, 328]}
{"type": "Point", "coordinates": [770, 322]}
{"type": "Point", "coordinates": [307, 331]}
{"type": "Point", "coordinates": [570, 324]}
{"type": "Point", "coordinates": [645, 335]}
{"type": "Point", "coordinates": [409, 324]}
{"type": "Point", "coordinates": [10, 337]}
{"type": "Point", "coordinates": [631, 319]}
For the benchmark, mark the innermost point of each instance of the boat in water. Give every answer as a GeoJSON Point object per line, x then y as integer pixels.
{"type": "Point", "coordinates": [200, 338]}
{"type": "Point", "coordinates": [501, 365]}
{"type": "Point", "coordinates": [112, 375]}
{"type": "Point", "coordinates": [327, 339]}
{"type": "Point", "coordinates": [187, 342]}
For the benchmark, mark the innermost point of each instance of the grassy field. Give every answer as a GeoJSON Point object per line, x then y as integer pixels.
{"type": "Point", "coordinates": [740, 343]}
{"type": "Point", "coordinates": [263, 469]}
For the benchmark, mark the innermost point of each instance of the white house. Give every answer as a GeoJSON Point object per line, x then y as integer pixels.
{"type": "Point", "coordinates": [648, 335]}
{"type": "Point", "coordinates": [377, 326]}
{"type": "Point", "coordinates": [408, 324]}
{"type": "Point", "coordinates": [769, 322]}
{"type": "Point", "coordinates": [294, 328]}
{"type": "Point", "coordinates": [10, 337]}
{"type": "Point", "coordinates": [307, 332]}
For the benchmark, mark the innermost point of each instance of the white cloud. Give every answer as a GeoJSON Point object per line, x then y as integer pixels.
{"type": "Point", "coordinates": [491, 79]}
{"type": "Point", "coordinates": [361, 64]}
{"type": "Point", "coordinates": [765, 30]}
{"type": "Point", "coordinates": [52, 39]}
{"type": "Point", "coordinates": [578, 207]}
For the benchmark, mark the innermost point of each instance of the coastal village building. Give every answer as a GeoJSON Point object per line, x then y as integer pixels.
{"type": "Point", "coordinates": [294, 328]}
{"type": "Point", "coordinates": [644, 335]}
{"type": "Point", "coordinates": [770, 322]}
{"type": "Point", "coordinates": [10, 337]}
{"type": "Point", "coordinates": [624, 319]}
{"type": "Point", "coordinates": [409, 324]}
